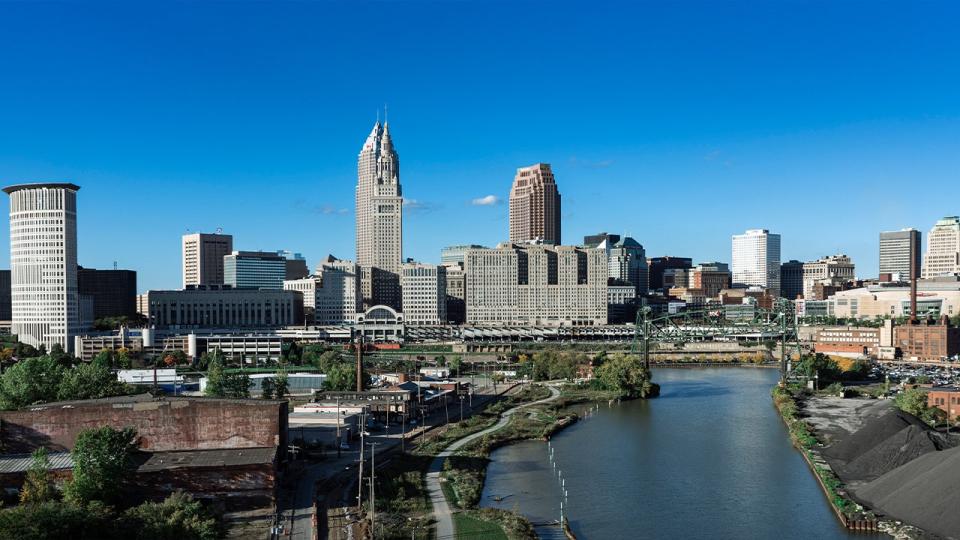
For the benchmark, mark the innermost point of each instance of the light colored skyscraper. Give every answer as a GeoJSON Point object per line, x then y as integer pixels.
{"type": "Point", "coordinates": [424, 293]}
{"type": "Point", "coordinates": [535, 206]}
{"type": "Point", "coordinates": [332, 296]}
{"type": "Point", "coordinates": [43, 263]}
{"type": "Point", "coordinates": [379, 203]}
{"type": "Point", "coordinates": [943, 248]}
{"type": "Point", "coordinates": [895, 250]}
{"type": "Point", "coordinates": [203, 258]}
{"type": "Point", "coordinates": [756, 259]}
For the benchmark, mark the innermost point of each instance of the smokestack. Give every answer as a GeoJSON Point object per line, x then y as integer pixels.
{"type": "Point", "coordinates": [913, 280]}
{"type": "Point", "coordinates": [360, 362]}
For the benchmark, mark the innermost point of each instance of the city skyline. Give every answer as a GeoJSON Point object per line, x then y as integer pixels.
{"type": "Point", "coordinates": [260, 138]}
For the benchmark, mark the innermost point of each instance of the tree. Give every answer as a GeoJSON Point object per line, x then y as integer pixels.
{"type": "Point", "coordinates": [236, 385]}
{"type": "Point", "coordinates": [89, 381]}
{"type": "Point", "coordinates": [38, 487]}
{"type": "Point", "coordinates": [455, 363]}
{"type": "Point", "coordinates": [60, 356]}
{"type": "Point", "coordinates": [178, 517]}
{"type": "Point", "coordinates": [267, 388]}
{"type": "Point", "coordinates": [29, 381]}
{"type": "Point", "coordinates": [341, 377]}
{"type": "Point", "coordinates": [55, 519]}
{"type": "Point", "coordinates": [281, 384]}
{"type": "Point", "coordinates": [818, 365]}
{"type": "Point", "coordinates": [913, 401]}
{"type": "Point", "coordinates": [215, 376]}
{"type": "Point", "coordinates": [103, 358]}
{"type": "Point", "coordinates": [124, 358]}
{"type": "Point", "coordinates": [101, 464]}
{"type": "Point", "coordinates": [626, 375]}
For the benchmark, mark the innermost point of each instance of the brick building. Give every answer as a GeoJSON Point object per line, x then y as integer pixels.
{"type": "Point", "coordinates": [927, 342]}
{"type": "Point", "coordinates": [847, 341]}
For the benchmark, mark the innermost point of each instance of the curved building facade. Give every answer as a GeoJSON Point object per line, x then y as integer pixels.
{"type": "Point", "coordinates": [43, 263]}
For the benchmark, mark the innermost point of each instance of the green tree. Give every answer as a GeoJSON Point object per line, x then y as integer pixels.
{"type": "Point", "coordinates": [818, 365]}
{"type": "Point", "coordinates": [55, 519]}
{"type": "Point", "coordinates": [59, 355]}
{"type": "Point", "coordinates": [327, 360]}
{"type": "Point", "coordinates": [29, 381]}
{"type": "Point", "coordinates": [101, 464]}
{"type": "Point", "coordinates": [178, 517]}
{"type": "Point", "coordinates": [103, 358]}
{"type": "Point", "coordinates": [626, 375]}
{"type": "Point", "coordinates": [216, 377]}
{"type": "Point", "coordinates": [341, 377]}
{"type": "Point", "coordinates": [90, 381]}
{"type": "Point", "coordinates": [267, 388]}
{"type": "Point", "coordinates": [455, 363]}
{"type": "Point", "coordinates": [913, 401]}
{"type": "Point", "coordinates": [124, 359]}
{"type": "Point", "coordinates": [38, 486]}
{"type": "Point", "coordinates": [236, 385]}
{"type": "Point", "coordinates": [281, 383]}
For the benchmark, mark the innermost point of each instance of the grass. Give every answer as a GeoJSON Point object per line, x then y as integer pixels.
{"type": "Point", "coordinates": [469, 527]}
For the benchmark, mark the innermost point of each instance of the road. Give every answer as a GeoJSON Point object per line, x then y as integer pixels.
{"type": "Point", "coordinates": [441, 508]}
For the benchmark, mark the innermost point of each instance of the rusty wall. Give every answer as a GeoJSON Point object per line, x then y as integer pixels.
{"type": "Point", "coordinates": [163, 424]}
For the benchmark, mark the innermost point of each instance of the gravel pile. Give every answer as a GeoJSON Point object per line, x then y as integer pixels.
{"type": "Point", "coordinates": [875, 431]}
{"type": "Point", "coordinates": [899, 449]}
{"type": "Point", "coordinates": [923, 492]}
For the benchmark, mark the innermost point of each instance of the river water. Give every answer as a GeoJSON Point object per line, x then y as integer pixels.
{"type": "Point", "coordinates": [709, 458]}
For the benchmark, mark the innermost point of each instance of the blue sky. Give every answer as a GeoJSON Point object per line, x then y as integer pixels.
{"type": "Point", "coordinates": [679, 123]}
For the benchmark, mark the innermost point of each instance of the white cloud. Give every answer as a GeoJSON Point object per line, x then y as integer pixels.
{"type": "Point", "coordinates": [489, 200]}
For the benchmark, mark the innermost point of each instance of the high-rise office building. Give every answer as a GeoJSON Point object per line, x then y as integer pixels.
{"type": "Point", "coordinates": [456, 290]}
{"type": "Point", "coordinates": [254, 270]}
{"type": "Point", "coordinates": [203, 258]}
{"type": "Point", "coordinates": [424, 293]}
{"type": "Point", "coordinates": [379, 200]}
{"type": "Point", "coordinates": [5, 298]}
{"type": "Point", "coordinates": [332, 295]}
{"type": "Point", "coordinates": [895, 253]}
{"type": "Point", "coordinates": [834, 270]}
{"type": "Point", "coordinates": [656, 266]}
{"type": "Point", "coordinates": [711, 278]}
{"type": "Point", "coordinates": [756, 259]}
{"type": "Point", "coordinates": [296, 265]}
{"type": "Point", "coordinates": [627, 261]}
{"type": "Point", "coordinates": [943, 248]}
{"type": "Point", "coordinates": [379, 203]}
{"type": "Point", "coordinates": [791, 279]}
{"type": "Point", "coordinates": [45, 303]}
{"type": "Point", "coordinates": [113, 292]}
{"type": "Point", "coordinates": [593, 240]}
{"type": "Point", "coordinates": [456, 254]}
{"type": "Point", "coordinates": [523, 284]}
{"type": "Point", "coordinates": [535, 206]}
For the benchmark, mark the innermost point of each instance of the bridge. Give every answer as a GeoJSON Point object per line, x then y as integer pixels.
{"type": "Point", "coordinates": [719, 323]}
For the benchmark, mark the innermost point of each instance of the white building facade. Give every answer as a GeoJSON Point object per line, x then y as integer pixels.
{"type": "Point", "coordinates": [756, 259]}
{"type": "Point", "coordinates": [202, 258]}
{"type": "Point", "coordinates": [424, 293]}
{"type": "Point", "coordinates": [536, 285]}
{"type": "Point", "coordinates": [332, 295]}
{"type": "Point", "coordinates": [831, 270]}
{"type": "Point", "coordinates": [943, 248]}
{"type": "Point", "coordinates": [43, 264]}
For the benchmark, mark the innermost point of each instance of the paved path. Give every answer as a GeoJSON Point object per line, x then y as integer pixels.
{"type": "Point", "coordinates": [441, 509]}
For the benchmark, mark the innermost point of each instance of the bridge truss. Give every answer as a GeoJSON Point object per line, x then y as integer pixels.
{"type": "Point", "coordinates": [719, 323]}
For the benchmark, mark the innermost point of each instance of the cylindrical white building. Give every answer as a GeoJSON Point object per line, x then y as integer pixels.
{"type": "Point", "coordinates": [43, 263]}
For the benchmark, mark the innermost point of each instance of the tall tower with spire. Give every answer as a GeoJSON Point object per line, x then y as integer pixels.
{"type": "Point", "coordinates": [379, 215]}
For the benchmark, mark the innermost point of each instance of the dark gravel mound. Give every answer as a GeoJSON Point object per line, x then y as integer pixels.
{"type": "Point", "coordinates": [923, 492]}
{"type": "Point", "coordinates": [900, 448]}
{"type": "Point", "coordinates": [873, 433]}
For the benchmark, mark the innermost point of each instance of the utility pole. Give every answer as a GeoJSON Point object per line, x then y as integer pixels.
{"type": "Point", "coordinates": [360, 362]}
{"type": "Point", "coordinates": [338, 427]}
{"type": "Point", "coordinates": [360, 482]}
{"type": "Point", "coordinates": [373, 499]}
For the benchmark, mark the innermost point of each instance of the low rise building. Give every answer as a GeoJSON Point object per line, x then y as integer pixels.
{"type": "Point", "coordinates": [847, 341]}
{"type": "Point", "coordinates": [927, 342]}
{"type": "Point", "coordinates": [222, 307]}
{"type": "Point", "coordinates": [945, 398]}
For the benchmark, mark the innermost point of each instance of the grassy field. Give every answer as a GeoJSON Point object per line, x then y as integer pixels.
{"type": "Point", "coordinates": [472, 528]}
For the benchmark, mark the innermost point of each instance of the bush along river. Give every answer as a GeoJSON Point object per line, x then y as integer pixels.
{"type": "Point", "coordinates": [710, 458]}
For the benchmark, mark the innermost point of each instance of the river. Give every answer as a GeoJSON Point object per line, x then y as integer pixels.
{"type": "Point", "coordinates": [709, 458]}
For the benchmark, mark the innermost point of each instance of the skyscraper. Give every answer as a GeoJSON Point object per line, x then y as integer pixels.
{"type": "Point", "coordinates": [791, 279]}
{"type": "Point", "coordinates": [895, 249]}
{"type": "Point", "coordinates": [756, 259]}
{"type": "Point", "coordinates": [43, 263]}
{"type": "Point", "coordinates": [254, 270]}
{"type": "Point", "coordinates": [535, 206]}
{"type": "Point", "coordinates": [203, 258]}
{"type": "Point", "coordinates": [943, 248]}
{"type": "Point", "coordinates": [627, 261]}
{"type": "Point", "coordinates": [379, 203]}
{"type": "Point", "coordinates": [379, 200]}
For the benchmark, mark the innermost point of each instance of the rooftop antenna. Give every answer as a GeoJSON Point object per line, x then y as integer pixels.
{"type": "Point", "coordinates": [219, 230]}
{"type": "Point", "coordinates": [114, 265]}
